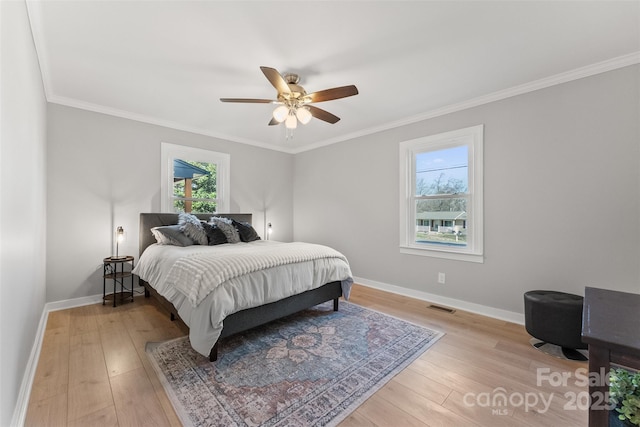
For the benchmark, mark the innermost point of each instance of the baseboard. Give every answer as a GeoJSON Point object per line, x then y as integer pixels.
{"type": "Point", "coordinates": [20, 411]}
{"type": "Point", "coordinates": [496, 313]}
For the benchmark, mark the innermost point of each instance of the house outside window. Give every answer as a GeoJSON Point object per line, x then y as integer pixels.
{"type": "Point", "coordinates": [194, 180]}
{"type": "Point", "coordinates": [441, 186]}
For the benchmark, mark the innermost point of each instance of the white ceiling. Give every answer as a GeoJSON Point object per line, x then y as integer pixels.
{"type": "Point", "coordinates": [169, 62]}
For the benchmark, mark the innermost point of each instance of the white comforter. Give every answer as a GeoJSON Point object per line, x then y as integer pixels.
{"type": "Point", "coordinates": [203, 300]}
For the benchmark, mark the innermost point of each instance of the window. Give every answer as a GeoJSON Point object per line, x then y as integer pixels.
{"type": "Point", "coordinates": [194, 180]}
{"type": "Point", "coordinates": [441, 195]}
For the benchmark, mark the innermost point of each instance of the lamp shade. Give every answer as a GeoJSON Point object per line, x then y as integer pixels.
{"type": "Point", "coordinates": [120, 237]}
{"type": "Point", "coordinates": [304, 115]}
{"type": "Point", "coordinates": [119, 234]}
{"type": "Point", "coordinates": [291, 122]}
{"type": "Point", "coordinates": [281, 113]}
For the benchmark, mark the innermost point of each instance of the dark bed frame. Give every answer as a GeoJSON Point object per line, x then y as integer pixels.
{"type": "Point", "coordinates": [242, 320]}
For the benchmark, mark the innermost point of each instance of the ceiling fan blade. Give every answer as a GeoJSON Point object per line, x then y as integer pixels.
{"type": "Point", "coordinates": [248, 100]}
{"type": "Point", "coordinates": [321, 114]}
{"type": "Point", "coordinates": [276, 79]}
{"type": "Point", "coordinates": [274, 122]}
{"type": "Point", "coordinates": [334, 93]}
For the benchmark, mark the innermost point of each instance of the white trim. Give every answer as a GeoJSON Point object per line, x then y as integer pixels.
{"type": "Point", "coordinates": [72, 303]}
{"type": "Point", "coordinates": [169, 152]}
{"type": "Point", "coordinates": [473, 138]}
{"type": "Point", "coordinates": [70, 102]}
{"type": "Point", "coordinates": [442, 253]}
{"type": "Point", "coordinates": [568, 76]}
{"type": "Point", "coordinates": [82, 301]}
{"type": "Point", "coordinates": [36, 22]}
{"type": "Point", "coordinates": [495, 313]}
{"type": "Point", "coordinates": [22, 403]}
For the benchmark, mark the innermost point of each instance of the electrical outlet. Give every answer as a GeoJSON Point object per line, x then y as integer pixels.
{"type": "Point", "coordinates": [441, 278]}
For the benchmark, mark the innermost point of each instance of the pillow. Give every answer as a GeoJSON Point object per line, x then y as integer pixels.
{"type": "Point", "coordinates": [190, 225]}
{"type": "Point", "coordinates": [215, 236]}
{"type": "Point", "coordinates": [226, 225]}
{"type": "Point", "coordinates": [219, 218]}
{"type": "Point", "coordinates": [246, 231]}
{"type": "Point", "coordinates": [171, 235]}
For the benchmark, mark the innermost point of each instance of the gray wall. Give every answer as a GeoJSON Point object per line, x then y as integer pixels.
{"type": "Point", "coordinates": [104, 170]}
{"type": "Point", "coordinates": [22, 201]}
{"type": "Point", "coordinates": [562, 196]}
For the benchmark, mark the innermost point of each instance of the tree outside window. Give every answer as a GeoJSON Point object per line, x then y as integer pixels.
{"type": "Point", "coordinates": [194, 180]}
{"type": "Point", "coordinates": [194, 186]}
{"type": "Point", "coordinates": [441, 193]}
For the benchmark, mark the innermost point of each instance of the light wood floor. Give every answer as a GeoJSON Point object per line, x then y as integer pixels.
{"type": "Point", "coordinates": [93, 371]}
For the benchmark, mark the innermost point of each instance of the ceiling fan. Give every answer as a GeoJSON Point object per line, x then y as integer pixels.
{"type": "Point", "coordinates": [294, 101]}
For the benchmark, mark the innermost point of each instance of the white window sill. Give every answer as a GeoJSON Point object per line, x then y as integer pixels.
{"type": "Point", "coordinates": [457, 256]}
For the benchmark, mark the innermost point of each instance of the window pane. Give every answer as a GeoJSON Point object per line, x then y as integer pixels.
{"type": "Point", "coordinates": [178, 188]}
{"type": "Point", "coordinates": [194, 186]}
{"type": "Point", "coordinates": [204, 207]}
{"type": "Point", "coordinates": [196, 206]}
{"type": "Point", "coordinates": [441, 221]}
{"type": "Point", "coordinates": [441, 193]}
{"type": "Point", "coordinates": [442, 171]}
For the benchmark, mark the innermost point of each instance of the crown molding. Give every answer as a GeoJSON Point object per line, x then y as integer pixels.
{"type": "Point", "coordinates": [35, 21]}
{"type": "Point", "coordinates": [41, 53]}
{"type": "Point", "coordinates": [70, 102]}
{"type": "Point", "coordinates": [578, 73]}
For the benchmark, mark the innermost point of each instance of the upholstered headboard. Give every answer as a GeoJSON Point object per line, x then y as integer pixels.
{"type": "Point", "coordinates": [150, 220]}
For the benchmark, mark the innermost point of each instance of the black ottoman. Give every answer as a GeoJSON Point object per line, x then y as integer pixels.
{"type": "Point", "coordinates": [556, 318]}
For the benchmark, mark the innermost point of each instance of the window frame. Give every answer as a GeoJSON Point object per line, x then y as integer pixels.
{"type": "Point", "coordinates": [169, 152]}
{"type": "Point", "coordinates": [473, 138]}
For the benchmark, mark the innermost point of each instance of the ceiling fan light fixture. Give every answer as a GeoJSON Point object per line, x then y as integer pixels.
{"type": "Point", "coordinates": [304, 115]}
{"type": "Point", "coordinates": [291, 122]}
{"type": "Point", "coordinates": [281, 113]}
{"type": "Point", "coordinates": [292, 100]}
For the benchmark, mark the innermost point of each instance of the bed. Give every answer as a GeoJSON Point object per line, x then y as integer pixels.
{"type": "Point", "coordinates": [241, 302]}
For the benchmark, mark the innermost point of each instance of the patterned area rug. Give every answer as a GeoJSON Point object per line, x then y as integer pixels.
{"type": "Point", "coordinates": [311, 368]}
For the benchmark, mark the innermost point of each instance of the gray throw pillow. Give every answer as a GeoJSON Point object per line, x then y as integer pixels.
{"type": "Point", "coordinates": [171, 235]}
{"type": "Point", "coordinates": [226, 225]}
{"type": "Point", "coordinates": [190, 225]}
{"type": "Point", "coordinates": [246, 231]}
{"type": "Point", "coordinates": [214, 234]}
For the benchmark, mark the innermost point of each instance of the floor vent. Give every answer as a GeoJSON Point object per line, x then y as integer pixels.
{"type": "Point", "coordinates": [440, 308]}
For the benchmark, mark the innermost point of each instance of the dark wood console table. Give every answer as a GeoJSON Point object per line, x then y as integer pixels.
{"type": "Point", "coordinates": [611, 328]}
